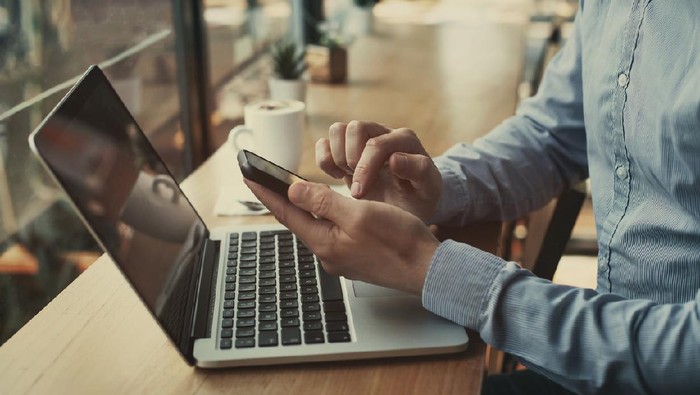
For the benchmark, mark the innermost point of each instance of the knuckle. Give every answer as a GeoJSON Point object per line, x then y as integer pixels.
{"type": "Point", "coordinates": [406, 132]}
{"type": "Point", "coordinates": [355, 126]}
{"type": "Point", "coordinates": [336, 130]}
{"type": "Point", "coordinates": [321, 203]}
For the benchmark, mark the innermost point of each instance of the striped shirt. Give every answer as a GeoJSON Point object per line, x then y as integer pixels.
{"type": "Point", "coordinates": [619, 104]}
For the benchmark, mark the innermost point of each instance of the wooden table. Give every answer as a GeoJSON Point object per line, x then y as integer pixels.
{"type": "Point", "coordinates": [96, 337]}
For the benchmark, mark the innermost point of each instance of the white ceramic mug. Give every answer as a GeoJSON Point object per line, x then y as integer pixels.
{"type": "Point", "coordinates": [272, 130]}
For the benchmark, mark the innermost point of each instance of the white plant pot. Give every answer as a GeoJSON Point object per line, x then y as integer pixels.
{"type": "Point", "coordinates": [360, 21]}
{"type": "Point", "coordinates": [287, 89]}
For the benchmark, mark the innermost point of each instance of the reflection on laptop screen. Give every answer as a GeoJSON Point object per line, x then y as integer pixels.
{"type": "Point", "coordinates": [124, 191]}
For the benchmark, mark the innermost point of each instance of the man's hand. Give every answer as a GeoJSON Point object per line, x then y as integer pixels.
{"type": "Point", "coordinates": [363, 240]}
{"type": "Point", "coordinates": [381, 164]}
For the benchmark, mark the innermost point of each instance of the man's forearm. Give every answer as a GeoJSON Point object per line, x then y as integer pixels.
{"type": "Point", "coordinates": [586, 341]}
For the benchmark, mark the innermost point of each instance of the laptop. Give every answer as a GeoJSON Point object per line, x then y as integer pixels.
{"type": "Point", "coordinates": [238, 296]}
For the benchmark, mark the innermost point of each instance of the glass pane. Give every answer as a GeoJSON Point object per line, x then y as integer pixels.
{"type": "Point", "coordinates": [239, 32]}
{"type": "Point", "coordinates": [44, 47]}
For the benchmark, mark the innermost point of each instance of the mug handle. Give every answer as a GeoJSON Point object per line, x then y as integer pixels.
{"type": "Point", "coordinates": [236, 133]}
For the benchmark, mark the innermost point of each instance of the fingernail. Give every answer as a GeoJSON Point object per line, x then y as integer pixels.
{"type": "Point", "coordinates": [355, 189]}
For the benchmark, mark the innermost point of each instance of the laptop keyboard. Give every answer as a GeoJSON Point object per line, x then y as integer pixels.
{"type": "Point", "coordinates": [277, 295]}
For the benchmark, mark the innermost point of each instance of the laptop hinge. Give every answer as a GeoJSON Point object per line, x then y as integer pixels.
{"type": "Point", "coordinates": [204, 302]}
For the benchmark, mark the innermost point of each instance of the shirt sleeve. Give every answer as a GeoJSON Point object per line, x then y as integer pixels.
{"type": "Point", "coordinates": [586, 341]}
{"type": "Point", "coordinates": [528, 159]}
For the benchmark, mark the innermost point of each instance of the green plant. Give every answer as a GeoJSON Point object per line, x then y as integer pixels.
{"type": "Point", "coordinates": [364, 3]}
{"type": "Point", "coordinates": [288, 60]}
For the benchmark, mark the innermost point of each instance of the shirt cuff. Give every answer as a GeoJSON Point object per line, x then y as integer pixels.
{"type": "Point", "coordinates": [459, 282]}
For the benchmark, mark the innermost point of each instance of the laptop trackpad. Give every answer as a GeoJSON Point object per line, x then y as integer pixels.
{"type": "Point", "coordinates": [365, 290]}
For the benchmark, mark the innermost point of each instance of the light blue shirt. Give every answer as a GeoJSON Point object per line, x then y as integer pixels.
{"type": "Point", "coordinates": [620, 104]}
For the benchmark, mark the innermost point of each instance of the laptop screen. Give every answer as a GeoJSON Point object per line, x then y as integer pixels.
{"type": "Point", "coordinates": [125, 193]}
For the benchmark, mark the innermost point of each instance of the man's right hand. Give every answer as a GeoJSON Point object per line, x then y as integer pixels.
{"type": "Point", "coordinates": [381, 164]}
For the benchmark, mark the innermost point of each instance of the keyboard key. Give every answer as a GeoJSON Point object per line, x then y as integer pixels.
{"type": "Point", "coordinates": [228, 313]}
{"type": "Point", "coordinates": [271, 316]}
{"type": "Point", "coordinates": [228, 304]}
{"type": "Point", "coordinates": [245, 342]}
{"type": "Point", "coordinates": [230, 295]}
{"type": "Point", "coordinates": [287, 264]}
{"type": "Point", "coordinates": [335, 306]}
{"type": "Point", "coordinates": [248, 265]}
{"type": "Point", "coordinates": [267, 253]}
{"type": "Point", "coordinates": [230, 279]}
{"type": "Point", "coordinates": [338, 326]}
{"type": "Point", "coordinates": [227, 323]}
{"type": "Point", "coordinates": [307, 266]}
{"type": "Point", "coordinates": [267, 259]}
{"type": "Point", "coordinates": [309, 289]}
{"type": "Point", "coordinates": [245, 287]}
{"type": "Point", "coordinates": [330, 286]}
{"type": "Point", "coordinates": [289, 313]}
{"type": "Point", "coordinates": [233, 249]}
{"type": "Point", "coordinates": [230, 286]}
{"type": "Point", "coordinates": [267, 246]}
{"type": "Point", "coordinates": [245, 332]}
{"type": "Point", "coordinates": [264, 267]}
{"type": "Point", "coordinates": [246, 280]}
{"type": "Point", "coordinates": [267, 339]}
{"type": "Point", "coordinates": [285, 250]}
{"type": "Point", "coordinates": [312, 316]}
{"type": "Point", "coordinates": [288, 295]}
{"type": "Point", "coordinates": [267, 290]}
{"type": "Point", "coordinates": [338, 337]}
{"type": "Point", "coordinates": [266, 239]}
{"type": "Point", "coordinates": [286, 257]}
{"type": "Point", "coordinates": [265, 307]}
{"type": "Point", "coordinates": [288, 271]}
{"type": "Point", "coordinates": [231, 263]}
{"type": "Point", "coordinates": [285, 236]}
{"type": "Point", "coordinates": [248, 251]}
{"type": "Point", "coordinates": [245, 323]}
{"type": "Point", "coordinates": [288, 279]}
{"type": "Point", "coordinates": [306, 259]}
{"type": "Point", "coordinates": [267, 282]}
{"type": "Point", "coordinates": [230, 270]}
{"type": "Point", "coordinates": [248, 257]}
{"type": "Point", "coordinates": [227, 333]}
{"type": "Point", "coordinates": [268, 298]}
{"type": "Point", "coordinates": [286, 243]}
{"type": "Point", "coordinates": [233, 256]}
{"type": "Point", "coordinates": [307, 273]}
{"type": "Point", "coordinates": [249, 243]}
{"type": "Point", "coordinates": [225, 344]}
{"type": "Point", "coordinates": [307, 281]}
{"type": "Point", "coordinates": [313, 337]}
{"type": "Point", "coordinates": [313, 326]}
{"type": "Point", "coordinates": [287, 322]}
{"type": "Point", "coordinates": [289, 303]}
{"type": "Point", "coordinates": [291, 336]}
{"type": "Point", "coordinates": [309, 298]}
{"type": "Point", "coordinates": [288, 287]}
{"type": "Point", "coordinates": [246, 304]}
{"type": "Point", "coordinates": [233, 236]}
{"type": "Point", "coordinates": [245, 313]}
{"type": "Point", "coordinates": [310, 307]}
{"type": "Point", "coordinates": [336, 317]}
{"type": "Point", "coordinates": [246, 295]}
{"type": "Point", "coordinates": [249, 236]}
{"type": "Point", "coordinates": [247, 272]}
{"type": "Point", "coordinates": [267, 326]}
{"type": "Point", "coordinates": [304, 252]}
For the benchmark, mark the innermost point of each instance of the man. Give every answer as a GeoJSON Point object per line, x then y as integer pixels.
{"type": "Point", "coordinates": [619, 104]}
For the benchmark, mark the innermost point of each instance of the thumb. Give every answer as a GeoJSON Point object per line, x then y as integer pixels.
{"type": "Point", "coordinates": [320, 200]}
{"type": "Point", "coordinates": [415, 168]}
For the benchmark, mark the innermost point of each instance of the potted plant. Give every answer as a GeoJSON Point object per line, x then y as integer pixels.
{"type": "Point", "coordinates": [288, 64]}
{"type": "Point", "coordinates": [328, 62]}
{"type": "Point", "coordinates": [360, 20]}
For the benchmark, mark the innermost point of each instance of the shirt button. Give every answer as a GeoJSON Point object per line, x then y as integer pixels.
{"type": "Point", "coordinates": [622, 80]}
{"type": "Point", "coordinates": [621, 172]}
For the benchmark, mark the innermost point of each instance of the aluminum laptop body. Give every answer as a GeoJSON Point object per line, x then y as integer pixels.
{"type": "Point", "coordinates": [184, 272]}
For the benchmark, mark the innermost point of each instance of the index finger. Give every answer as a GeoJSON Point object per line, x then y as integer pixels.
{"type": "Point", "coordinates": [377, 152]}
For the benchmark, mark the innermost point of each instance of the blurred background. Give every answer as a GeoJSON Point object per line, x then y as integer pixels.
{"type": "Point", "coordinates": [185, 69]}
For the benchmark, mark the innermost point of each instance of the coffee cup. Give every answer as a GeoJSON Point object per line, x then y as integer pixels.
{"type": "Point", "coordinates": [273, 130]}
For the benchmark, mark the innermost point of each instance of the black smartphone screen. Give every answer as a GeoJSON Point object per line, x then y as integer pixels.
{"type": "Point", "coordinates": [266, 173]}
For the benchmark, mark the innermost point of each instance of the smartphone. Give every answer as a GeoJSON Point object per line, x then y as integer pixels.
{"type": "Point", "coordinates": [271, 176]}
